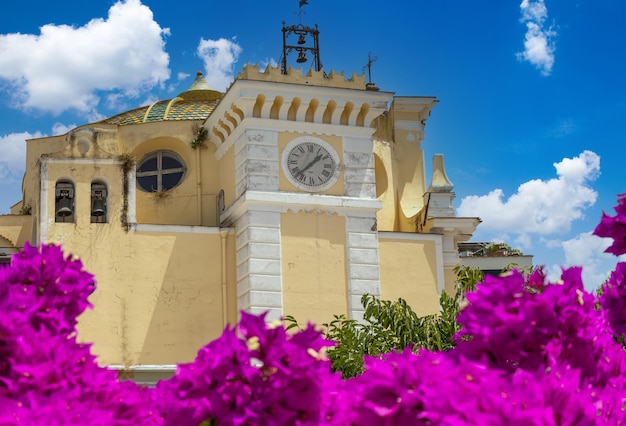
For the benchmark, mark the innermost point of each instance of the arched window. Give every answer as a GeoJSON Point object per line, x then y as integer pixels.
{"type": "Point", "coordinates": [64, 201]}
{"type": "Point", "coordinates": [160, 171]}
{"type": "Point", "coordinates": [99, 202]}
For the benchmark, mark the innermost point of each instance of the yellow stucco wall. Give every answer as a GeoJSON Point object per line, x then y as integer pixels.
{"type": "Point", "coordinates": [450, 281]}
{"type": "Point", "coordinates": [408, 270]}
{"type": "Point", "coordinates": [400, 172]}
{"type": "Point", "coordinates": [35, 148]}
{"type": "Point", "coordinates": [411, 186]}
{"type": "Point", "coordinates": [158, 298]}
{"type": "Point", "coordinates": [386, 186]}
{"type": "Point", "coordinates": [314, 266]}
{"type": "Point", "coordinates": [227, 176]}
{"type": "Point", "coordinates": [158, 295]}
{"type": "Point", "coordinates": [16, 229]}
{"type": "Point", "coordinates": [178, 205]}
{"type": "Point", "coordinates": [335, 141]}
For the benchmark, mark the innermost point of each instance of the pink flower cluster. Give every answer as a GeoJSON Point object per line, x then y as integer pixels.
{"type": "Point", "coordinates": [256, 374]}
{"type": "Point", "coordinates": [530, 352]}
{"type": "Point", "coordinates": [46, 376]}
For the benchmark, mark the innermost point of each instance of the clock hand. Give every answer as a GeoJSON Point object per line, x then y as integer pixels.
{"type": "Point", "coordinates": [308, 166]}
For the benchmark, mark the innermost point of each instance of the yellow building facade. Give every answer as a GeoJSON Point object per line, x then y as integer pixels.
{"type": "Point", "coordinates": [290, 194]}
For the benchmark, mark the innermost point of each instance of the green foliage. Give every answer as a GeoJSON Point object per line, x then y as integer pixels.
{"type": "Point", "coordinates": [467, 278]}
{"type": "Point", "coordinates": [502, 249]}
{"type": "Point", "coordinates": [201, 135]}
{"type": "Point", "coordinates": [393, 325]}
{"type": "Point", "coordinates": [127, 162]}
{"type": "Point", "coordinates": [26, 209]}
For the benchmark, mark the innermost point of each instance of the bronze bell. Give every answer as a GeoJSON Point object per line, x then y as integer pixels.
{"type": "Point", "coordinates": [98, 207]}
{"type": "Point", "coordinates": [301, 57]}
{"type": "Point", "coordinates": [64, 207]}
{"type": "Point", "coordinates": [301, 39]}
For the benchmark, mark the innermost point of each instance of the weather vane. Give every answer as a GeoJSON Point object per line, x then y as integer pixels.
{"type": "Point", "coordinates": [300, 12]}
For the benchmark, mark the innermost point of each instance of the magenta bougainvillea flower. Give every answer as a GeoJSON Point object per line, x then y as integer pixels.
{"type": "Point", "coordinates": [255, 374]}
{"type": "Point", "coordinates": [530, 352]}
{"type": "Point", "coordinates": [44, 289]}
{"type": "Point", "coordinates": [46, 376]}
{"type": "Point", "coordinates": [613, 299]}
{"type": "Point", "coordinates": [614, 227]}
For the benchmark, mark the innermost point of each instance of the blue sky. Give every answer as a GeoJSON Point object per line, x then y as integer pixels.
{"type": "Point", "coordinates": [531, 93]}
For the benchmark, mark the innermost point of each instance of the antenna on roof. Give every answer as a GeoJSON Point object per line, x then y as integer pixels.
{"type": "Point", "coordinates": [301, 39]}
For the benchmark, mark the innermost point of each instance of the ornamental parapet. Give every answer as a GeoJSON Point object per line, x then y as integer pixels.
{"type": "Point", "coordinates": [295, 76]}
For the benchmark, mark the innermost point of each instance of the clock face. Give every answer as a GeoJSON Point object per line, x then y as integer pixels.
{"type": "Point", "coordinates": [311, 164]}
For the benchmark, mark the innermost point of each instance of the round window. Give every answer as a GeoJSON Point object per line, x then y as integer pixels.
{"type": "Point", "coordinates": [160, 171]}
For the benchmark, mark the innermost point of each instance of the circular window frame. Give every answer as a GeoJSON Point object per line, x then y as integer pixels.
{"type": "Point", "coordinates": [159, 172]}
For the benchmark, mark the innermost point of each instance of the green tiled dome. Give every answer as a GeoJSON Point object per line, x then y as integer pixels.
{"type": "Point", "coordinates": [197, 103]}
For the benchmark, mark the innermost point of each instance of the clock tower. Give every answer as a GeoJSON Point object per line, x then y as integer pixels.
{"type": "Point", "coordinates": [302, 194]}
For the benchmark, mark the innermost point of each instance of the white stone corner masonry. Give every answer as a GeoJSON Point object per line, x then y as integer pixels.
{"type": "Point", "coordinates": [256, 161]}
{"type": "Point", "coordinates": [363, 264]}
{"type": "Point", "coordinates": [259, 282]}
{"type": "Point", "coordinates": [359, 177]}
{"type": "Point", "coordinates": [361, 230]}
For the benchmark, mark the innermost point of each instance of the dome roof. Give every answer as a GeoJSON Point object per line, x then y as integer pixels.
{"type": "Point", "coordinates": [197, 103]}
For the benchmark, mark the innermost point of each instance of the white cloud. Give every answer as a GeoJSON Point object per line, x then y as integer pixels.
{"type": "Point", "coordinates": [63, 67]}
{"type": "Point", "coordinates": [268, 62]}
{"type": "Point", "coordinates": [585, 246]}
{"type": "Point", "coordinates": [539, 207]}
{"type": "Point", "coordinates": [219, 56]}
{"type": "Point", "coordinates": [542, 210]}
{"type": "Point", "coordinates": [13, 147]}
{"type": "Point", "coordinates": [587, 250]}
{"type": "Point", "coordinates": [539, 44]}
{"type": "Point", "coordinates": [61, 129]}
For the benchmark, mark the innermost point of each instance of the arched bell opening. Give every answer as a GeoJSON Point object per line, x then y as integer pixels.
{"type": "Point", "coordinates": [64, 205]}
{"type": "Point", "coordinates": [99, 202]}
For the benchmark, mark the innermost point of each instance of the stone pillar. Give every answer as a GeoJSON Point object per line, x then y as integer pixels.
{"type": "Point", "coordinates": [362, 262]}
{"type": "Point", "coordinates": [259, 282]}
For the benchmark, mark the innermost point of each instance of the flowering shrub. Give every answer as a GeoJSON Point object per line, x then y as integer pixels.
{"type": "Point", "coordinates": [259, 376]}
{"type": "Point", "coordinates": [46, 376]}
{"type": "Point", "coordinates": [529, 352]}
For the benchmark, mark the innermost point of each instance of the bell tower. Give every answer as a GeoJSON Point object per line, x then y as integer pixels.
{"type": "Point", "coordinates": [301, 39]}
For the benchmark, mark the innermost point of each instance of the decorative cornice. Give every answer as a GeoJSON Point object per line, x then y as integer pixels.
{"type": "Point", "coordinates": [284, 201]}
{"type": "Point", "coordinates": [455, 225]}
{"type": "Point", "coordinates": [281, 103]}
{"type": "Point", "coordinates": [179, 229]}
{"type": "Point", "coordinates": [50, 160]}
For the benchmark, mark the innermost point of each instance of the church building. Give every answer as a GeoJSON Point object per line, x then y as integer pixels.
{"type": "Point", "coordinates": [293, 193]}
